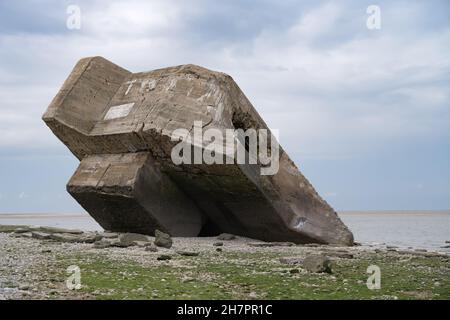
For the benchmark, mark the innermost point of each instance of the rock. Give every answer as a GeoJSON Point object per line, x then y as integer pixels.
{"type": "Point", "coordinates": [291, 260]}
{"type": "Point", "coordinates": [294, 271]}
{"type": "Point", "coordinates": [64, 237]}
{"type": "Point", "coordinates": [218, 244]}
{"type": "Point", "coordinates": [253, 295]}
{"type": "Point", "coordinates": [39, 232]}
{"type": "Point", "coordinates": [164, 257]}
{"type": "Point", "coordinates": [40, 235]}
{"type": "Point", "coordinates": [129, 239]}
{"type": "Point", "coordinates": [141, 244]}
{"type": "Point", "coordinates": [23, 235]}
{"type": "Point", "coordinates": [434, 254]}
{"type": "Point", "coordinates": [16, 235]}
{"type": "Point", "coordinates": [89, 238]}
{"type": "Point", "coordinates": [75, 237]}
{"type": "Point", "coordinates": [270, 244]}
{"type": "Point", "coordinates": [317, 264]}
{"type": "Point", "coordinates": [151, 248]}
{"type": "Point", "coordinates": [226, 237]}
{"type": "Point", "coordinates": [110, 235]}
{"type": "Point", "coordinates": [163, 239]}
{"type": "Point", "coordinates": [102, 244]}
{"type": "Point", "coordinates": [13, 228]}
{"type": "Point", "coordinates": [58, 230]}
{"type": "Point", "coordinates": [24, 287]}
{"type": "Point", "coordinates": [23, 230]}
{"type": "Point", "coordinates": [188, 253]}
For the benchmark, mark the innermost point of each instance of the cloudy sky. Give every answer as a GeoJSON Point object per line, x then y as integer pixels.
{"type": "Point", "coordinates": [365, 113]}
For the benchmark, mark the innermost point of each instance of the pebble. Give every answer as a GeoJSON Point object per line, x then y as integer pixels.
{"type": "Point", "coordinates": [163, 239]}
{"type": "Point", "coordinates": [317, 263]}
{"type": "Point", "coordinates": [188, 253]}
{"type": "Point", "coordinates": [164, 257]}
{"type": "Point", "coordinates": [151, 248]}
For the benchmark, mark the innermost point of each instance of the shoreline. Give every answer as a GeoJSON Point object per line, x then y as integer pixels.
{"type": "Point", "coordinates": [397, 212]}
{"type": "Point", "coordinates": [387, 211]}
{"type": "Point", "coordinates": [403, 229]}
{"type": "Point", "coordinates": [208, 268]}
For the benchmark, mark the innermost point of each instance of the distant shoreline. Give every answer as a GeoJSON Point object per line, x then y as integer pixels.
{"type": "Point", "coordinates": [41, 215]}
{"type": "Point", "coordinates": [26, 215]}
{"type": "Point", "coordinates": [395, 212]}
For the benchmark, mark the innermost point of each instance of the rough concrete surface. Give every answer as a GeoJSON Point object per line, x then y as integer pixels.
{"type": "Point", "coordinates": [119, 125]}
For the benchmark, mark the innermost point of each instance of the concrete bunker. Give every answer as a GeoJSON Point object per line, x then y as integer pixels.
{"type": "Point", "coordinates": [119, 125]}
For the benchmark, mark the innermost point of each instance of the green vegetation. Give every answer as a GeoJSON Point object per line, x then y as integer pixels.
{"type": "Point", "coordinates": [258, 275]}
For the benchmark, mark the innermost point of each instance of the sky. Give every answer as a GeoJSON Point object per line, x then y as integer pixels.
{"type": "Point", "coordinates": [363, 112]}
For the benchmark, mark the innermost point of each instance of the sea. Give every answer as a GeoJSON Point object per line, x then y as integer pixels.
{"type": "Point", "coordinates": [404, 229]}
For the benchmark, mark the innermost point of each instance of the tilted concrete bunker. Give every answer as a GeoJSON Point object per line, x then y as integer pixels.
{"type": "Point", "coordinates": [119, 125]}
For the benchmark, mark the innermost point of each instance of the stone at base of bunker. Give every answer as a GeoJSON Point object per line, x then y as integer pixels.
{"type": "Point", "coordinates": [163, 240]}
{"type": "Point", "coordinates": [121, 126]}
{"type": "Point", "coordinates": [130, 239]}
{"type": "Point", "coordinates": [226, 236]}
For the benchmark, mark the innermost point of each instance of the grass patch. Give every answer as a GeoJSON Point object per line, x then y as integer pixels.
{"type": "Point", "coordinates": [258, 275]}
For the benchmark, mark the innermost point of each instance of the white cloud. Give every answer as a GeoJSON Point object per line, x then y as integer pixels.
{"type": "Point", "coordinates": [332, 87]}
{"type": "Point", "coordinates": [132, 18]}
{"type": "Point", "coordinates": [317, 22]}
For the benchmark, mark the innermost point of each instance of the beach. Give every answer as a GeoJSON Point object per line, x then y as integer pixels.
{"type": "Point", "coordinates": [418, 229]}
{"type": "Point", "coordinates": [39, 263]}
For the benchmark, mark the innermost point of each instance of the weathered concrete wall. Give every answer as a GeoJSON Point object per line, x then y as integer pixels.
{"type": "Point", "coordinates": [104, 113]}
{"type": "Point", "coordinates": [129, 193]}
